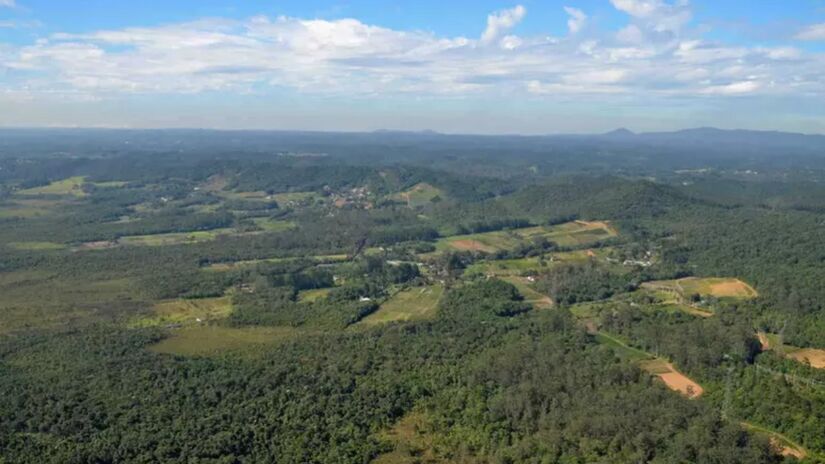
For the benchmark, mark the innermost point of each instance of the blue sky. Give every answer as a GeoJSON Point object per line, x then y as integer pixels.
{"type": "Point", "coordinates": [456, 66]}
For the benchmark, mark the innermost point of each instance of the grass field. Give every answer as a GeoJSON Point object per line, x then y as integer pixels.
{"type": "Point", "coordinates": [27, 208]}
{"type": "Point", "coordinates": [419, 195]}
{"type": "Point", "coordinates": [36, 246]}
{"type": "Point", "coordinates": [175, 238]}
{"type": "Point", "coordinates": [515, 267]}
{"type": "Point", "coordinates": [414, 303]}
{"type": "Point", "coordinates": [572, 234]}
{"type": "Point", "coordinates": [34, 300]}
{"type": "Point", "coordinates": [720, 287]}
{"type": "Point", "coordinates": [186, 311]}
{"type": "Point", "coordinates": [253, 262]}
{"type": "Point", "coordinates": [292, 199]}
{"type": "Point", "coordinates": [309, 296]}
{"type": "Point", "coordinates": [272, 225]}
{"type": "Point", "coordinates": [210, 340]}
{"type": "Point", "coordinates": [538, 300]}
{"type": "Point", "coordinates": [70, 186]}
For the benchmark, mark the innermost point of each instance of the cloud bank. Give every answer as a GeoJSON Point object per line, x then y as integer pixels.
{"type": "Point", "coordinates": [656, 54]}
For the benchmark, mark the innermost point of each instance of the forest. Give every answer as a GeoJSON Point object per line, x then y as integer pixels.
{"type": "Point", "coordinates": [411, 298]}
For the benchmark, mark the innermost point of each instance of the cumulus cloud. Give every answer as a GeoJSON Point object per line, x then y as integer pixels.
{"type": "Point", "coordinates": [577, 19]}
{"type": "Point", "coordinates": [350, 57]}
{"type": "Point", "coordinates": [812, 32]}
{"type": "Point", "coordinates": [657, 15]}
{"type": "Point", "coordinates": [502, 21]}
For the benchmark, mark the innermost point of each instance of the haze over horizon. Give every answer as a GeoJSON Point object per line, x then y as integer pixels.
{"type": "Point", "coordinates": [492, 67]}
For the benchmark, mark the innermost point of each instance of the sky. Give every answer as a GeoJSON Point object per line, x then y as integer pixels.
{"type": "Point", "coordinates": [455, 66]}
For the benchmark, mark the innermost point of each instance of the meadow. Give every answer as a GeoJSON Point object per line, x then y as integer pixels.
{"type": "Point", "coordinates": [571, 234]}
{"type": "Point", "coordinates": [411, 304]}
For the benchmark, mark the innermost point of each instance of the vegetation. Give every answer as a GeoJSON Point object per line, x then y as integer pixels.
{"type": "Point", "coordinates": [359, 300]}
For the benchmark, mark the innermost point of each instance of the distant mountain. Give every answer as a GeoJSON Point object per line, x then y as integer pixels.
{"type": "Point", "coordinates": [618, 133]}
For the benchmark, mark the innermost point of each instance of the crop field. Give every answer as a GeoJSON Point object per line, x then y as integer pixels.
{"type": "Point", "coordinates": [720, 287]}
{"type": "Point", "coordinates": [186, 311]}
{"type": "Point", "coordinates": [414, 303]}
{"type": "Point", "coordinates": [27, 208]}
{"type": "Point", "coordinates": [70, 186]}
{"type": "Point", "coordinates": [211, 340]}
{"type": "Point", "coordinates": [419, 195]}
{"type": "Point", "coordinates": [519, 266]}
{"type": "Point", "coordinates": [573, 234]}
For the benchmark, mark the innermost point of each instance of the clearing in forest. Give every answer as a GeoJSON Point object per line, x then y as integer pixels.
{"type": "Point", "coordinates": [720, 287]}
{"type": "Point", "coordinates": [412, 442]}
{"type": "Point", "coordinates": [187, 311]}
{"type": "Point", "coordinates": [535, 298]}
{"type": "Point", "coordinates": [674, 379]}
{"type": "Point", "coordinates": [36, 246]}
{"type": "Point", "coordinates": [206, 340]}
{"type": "Point", "coordinates": [419, 195]}
{"type": "Point", "coordinates": [659, 367]}
{"type": "Point", "coordinates": [71, 186]}
{"type": "Point", "coordinates": [321, 259]}
{"type": "Point", "coordinates": [784, 445]}
{"type": "Point", "coordinates": [414, 303]}
{"type": "Point", "coordinates": [814, 357]}
{"type": "Point", "coordinates": [572, 234]}
{"type": "Point", "coordinates": [311, 296]}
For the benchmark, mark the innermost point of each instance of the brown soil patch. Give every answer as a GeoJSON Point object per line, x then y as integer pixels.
{"type": "Point", "coordinates": [674, 379]}
{"type": "Point", "coordinates": [591, 254]}
{"type": "Point", "coordinates": [764, 341]}
{"type": "Point", "coordinates": [679, 382]}
{"type": "Point", "coordinates": [470, 245]}
{"type": "Point", "coordinates": [734, 288]}
{"type": "Point", "coordinates": [814, 356]}
{"type": "Point", "coordinates": [785, 450]}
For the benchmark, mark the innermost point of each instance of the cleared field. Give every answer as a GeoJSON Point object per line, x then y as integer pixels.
{"type": "Point", "coordinates": [186, 311]}
{"type": "Point", "coordinates": [674, 379]}
{"type": "Point", "coordinates": [208, 340]}
{"type": "Point", "coordinates": [36, 246]}
{"type": "Point", "coordinates": [292, 199]}
{"type": "Point", "coordinates": [813, 356]}
{"type": "Point", "coordinates": [538, 300]}
{"type": "Point", "coordinates": [309, 296]}
{"type": "Point", "coordinates": [419, 195]}
{"type": "Point", "coordinates": [622, 349]}
{"type": "Point", "coordinates": [414, 303]}
{"type": "Point", "coordinates": [273, 225]}
{"type": "Point", "coordinates": [720, 287]}
{"type": "Point", "coordinates": [27, 208]}
{"type": "Point", "coordinates": [576, 233]}
{"type": "Point", "coordinates": [175, 238]}
{"type": "Point", "coordinates": [253, 262]}
{"type": "Point", "coordinates": [512, 267]}
{"type": "Point", "coordinates": [70, 186]}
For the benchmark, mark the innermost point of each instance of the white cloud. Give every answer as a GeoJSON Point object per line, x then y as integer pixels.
{"type": "Point", "coordinates": [577, 19]}
{"type": "Point", "coordinates": [812, 32]}
{"type": "Point", "coordinates": [502, 21]}
{"type": "Point", "coordinates": [630, 34]}
{"type": "Point", "coordinates": [735, 88]}
{"type": "Point", "coordinates": [351, 58]}
{"type": "Point", "coordinates": [7, 3]}
{"type": "Point", "coordinates": [657, 15]}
